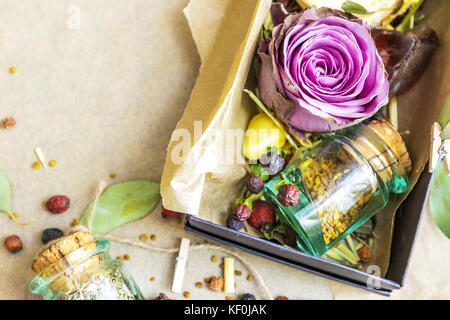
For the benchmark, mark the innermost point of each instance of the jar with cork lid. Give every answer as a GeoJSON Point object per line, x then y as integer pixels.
{"type": "Point", "coordinates": [77, 267]}
{"type": "Point", "coordinates": [339, 184]}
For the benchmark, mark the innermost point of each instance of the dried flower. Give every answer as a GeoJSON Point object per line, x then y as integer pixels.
{"type": "Point", "coordinates": [364, 253]}
{"type": "Point", "coordinates": [216, 283]}
{"type": "Point", "coordinates": [8, 122]}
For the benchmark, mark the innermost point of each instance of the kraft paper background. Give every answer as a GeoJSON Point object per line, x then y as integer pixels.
{"type": "Point", "coordinates": [106, 97]}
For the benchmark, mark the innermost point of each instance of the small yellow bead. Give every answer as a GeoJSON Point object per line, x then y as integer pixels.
{"type": "Point", "coordinates": [249, 278]}
{"type": "Point", "coordinates": [187, 294]}
{"type": "Point", "coordinates": [13, 69]}
{"type": "Point", "coordinates": [36, 165]}
{"type": "Point", "coordinates": [52, 163]}
{"type": "Point", "coordinates": [199, 285]}
{"type": "Point", "coordinates": [214, 259]}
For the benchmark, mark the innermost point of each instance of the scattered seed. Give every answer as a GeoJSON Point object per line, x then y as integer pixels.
{"type": "Point", "coordinates": [228, 298]}
{"type": "Point", "coordinates": [75, 222]}
{"type": "Point", "coordinates": [44, 203]}
{"type": "Point", "coordinates": [152, 279]}
{"type": "Point", "coordinates": [126, 257]}
{"type": "Point", "coordinates": [187, 294]}
{"type": "Point", "coordinates": [120, 258]}
{"type": "Point", "coordinates": [153, 237]}
{"type": "Point", "coordinates": [282, 298]}
{"type": "Point", "coordinates": [36, 165]}
{"type": "Point", "coordinates": [113, 175]}
{"type": "Point", "coordinates": [199, 285]}
{"type": "Point", "coordinates": [249, 278]}
{"type": "Point", "coordinates": [206, 280]}
{"type": "Point", "coordinates": [14, 215]}
{"type": "Point", "coordinates": [13, 70]}
{"type": "Point", "coordinates": [143, 237]}
{"type": "Point", "coordinates": [52, 163]}
{"type": "Point", "coordinates": [214, 259]}
{"type": "Point", "coordinates": [238, 273]}
{"type": "Point", "coordinates": [221, 265]}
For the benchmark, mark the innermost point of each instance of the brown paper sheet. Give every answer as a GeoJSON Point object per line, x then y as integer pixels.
{"type": "Point", "coordinates": [206, 188]}
{"type": "Point", "coordinates": [100, 99]}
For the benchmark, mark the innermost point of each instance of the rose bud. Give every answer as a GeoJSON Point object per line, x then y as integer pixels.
{"type": "Point", "coordinates": [321, 70]}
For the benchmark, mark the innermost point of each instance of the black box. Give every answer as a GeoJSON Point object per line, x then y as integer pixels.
{"type": "Point", "coordinates": [407, 221]}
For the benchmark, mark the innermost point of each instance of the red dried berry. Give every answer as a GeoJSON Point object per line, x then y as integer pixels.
{"type": "Point", "coordinates": [169, 214]}
{"type": "Point", "coordinates": [13, 244]}
{"type": "Point", "coordinates": [263, 214]}
{"type": "Point", "coordinates": [255, 185]}
{"type": "Point", "coordinates": [241, 212]}
{"type": "Point", "coordinates": [58, 204]}
{"type": "Point", "coordinates": [288, 195]}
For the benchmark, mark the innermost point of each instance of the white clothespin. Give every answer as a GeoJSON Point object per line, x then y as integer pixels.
{"type": "Point", "coordinates": [439, 148]}
{"type": "Point", "coordinates": [180, 267]}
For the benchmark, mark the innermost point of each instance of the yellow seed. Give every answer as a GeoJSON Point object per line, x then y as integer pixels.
{"type": "Point", "coordinates": [206, 280]}
{"type": "Point", "coordinates": [36, 165]}
{"type": "Point", "coordinates": [13, 69]}
{"type": "Point", "coordinates": [126, 257]}
{"type": "Point", "coordinates": [120, 258]}
{"type": "Point", "coordinates": [44, 203]}
{"type": "Point", "coordinates": [249, 278]}
{"type": "Point", "coordinates": [52, 163]}
{"type": "Point", "coordinates": [187, 294]}
{"type": "Point", "coordinates": [113, 175]}
{"type": "Point", "coordinates": [153, 237]}
{"type": "Point", "coordinates": [152, 279]}
{"type": "Point", "coordinates": [214, 259]}
{"type": "Point", "coordinates": [238, 273]}
{"type": "Point", "coordinates": [221, 266]}
{"type": "Point", "coordinates": [143, 237]}
{"type": "Point", "coordinates": [199, 285]}
{"type": "Point", "coordinates": [228, 298]}
{"type": "Point", "coordinates": [75, 222]}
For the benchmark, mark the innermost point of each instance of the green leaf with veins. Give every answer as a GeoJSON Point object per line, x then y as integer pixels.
{"type": "Point", "coordinates": [122, 203]}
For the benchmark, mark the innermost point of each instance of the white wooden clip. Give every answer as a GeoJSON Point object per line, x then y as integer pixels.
{"type": "Point", "coordinates": [435, 146]}
{"type": "Point", "coordinates": [180, 267]}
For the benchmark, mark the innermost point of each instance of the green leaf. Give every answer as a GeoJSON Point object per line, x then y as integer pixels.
{"type": "Point", "coordinates": [354, 8]}
{"type": "Point", "coordinates": [439, 199]}
{"type": "Point", "coordinates": [122, 203]}
{"type": "Point", "coordinates": [5, 193]}
{"type": "Point", "coordinates": [444, 118]}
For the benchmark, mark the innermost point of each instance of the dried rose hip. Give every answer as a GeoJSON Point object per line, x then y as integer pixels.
{"type": "Point", "coordinates": [288, 195]}
{"type": "Point", "coordinates": [263, 214]}
{"type": "Point", "coordinates": [13, 244]}
{"type": "Point", "coordinates": [241, 212]}
{"type": "Point", "coordinates": [169, 213]}
{"type": "Point", "coordinates": [58, 204]}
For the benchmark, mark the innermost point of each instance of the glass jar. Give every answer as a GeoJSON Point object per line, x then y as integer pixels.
{"type": "Point", "coordinates": [71, 269]}
{"type": "Point", "coordinates": [343, 181]}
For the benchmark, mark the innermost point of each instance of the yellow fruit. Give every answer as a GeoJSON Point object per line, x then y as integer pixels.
{"type": "Point", "coordinates": [262, 133]}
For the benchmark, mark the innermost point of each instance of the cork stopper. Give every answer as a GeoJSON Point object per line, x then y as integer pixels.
{"type": "Point", "coordinates": [60, 249]}
{"type": "Point", "coordinates": [393, 139]}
